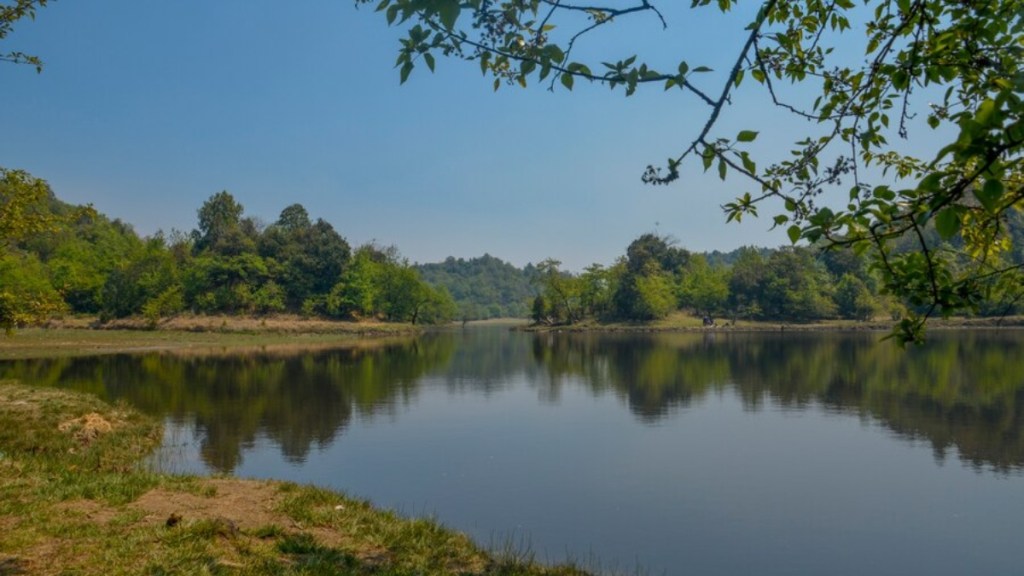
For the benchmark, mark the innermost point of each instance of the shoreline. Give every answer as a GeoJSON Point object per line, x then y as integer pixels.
{"type": "Point", "coordinates": [73, 498]}
{"type": "Point", "coordinates": [689, 324]}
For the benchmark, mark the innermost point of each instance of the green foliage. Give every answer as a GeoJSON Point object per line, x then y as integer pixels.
{"type": "Point", "coordinates": [703, 288]}
{"type": "Point", "coordinates": [854, 300]}
{"type": "Point", "coordinates": [562, 294]}
{"type": "Point", "coordinates": [356, 293]}
{"type": "Point", "coordinates": [309, 257]}
{"type": "Point", "coordinates": [867, 73]}
{"type": "Point", "coordinates": [11, 13]}
{"type": "Point", "coordinates": [646, 289]}
{"type": "Point", "coordinates": [26, 296]}
{"type": "Point", "coordinates": [24, 204]}
{"type": "Point", "coordinates": [167, 303]}
{"type": "Point", "coordinates": [655, 296]}
{"type": "Point", "coordinates": [483, 287]}
{"type": "Point", "coordinates": [221, 228]}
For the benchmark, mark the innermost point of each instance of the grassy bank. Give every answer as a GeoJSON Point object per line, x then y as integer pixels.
{"type": "Point", "coordinates": [73, 500]}
{"type": "Point", "coordinates": [683, 322]}
{"type": "Point", "coordinates": [205, 334]}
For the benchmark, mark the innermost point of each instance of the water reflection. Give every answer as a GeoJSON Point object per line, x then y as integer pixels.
{"type": "Point", "coordinates": [297, 400]}
{"type": "Point", "coordinates": [962, 391]}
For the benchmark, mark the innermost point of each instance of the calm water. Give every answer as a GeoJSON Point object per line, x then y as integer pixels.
{"type": "Point", "coordinates": [681, 454]}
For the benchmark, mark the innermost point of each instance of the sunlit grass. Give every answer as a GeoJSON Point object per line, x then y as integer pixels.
{"type": "Point", "coordinates": [62, 342]}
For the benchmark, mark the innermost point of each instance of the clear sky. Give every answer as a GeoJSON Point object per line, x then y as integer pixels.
{"type": "Point", "coordinates": [147, 108]}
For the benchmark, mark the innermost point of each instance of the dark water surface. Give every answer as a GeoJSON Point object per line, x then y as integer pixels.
{"type": "Point", "coordinates": [704, 454]}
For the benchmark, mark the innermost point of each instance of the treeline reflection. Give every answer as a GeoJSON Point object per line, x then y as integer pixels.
{"type": "Point", "coordinates": [962, 390]}
{"type": "Point", "coordinates": [299, 400]}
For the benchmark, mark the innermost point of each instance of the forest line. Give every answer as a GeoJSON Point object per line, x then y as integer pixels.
{"type": "Point", "coordinates": [56, 258]}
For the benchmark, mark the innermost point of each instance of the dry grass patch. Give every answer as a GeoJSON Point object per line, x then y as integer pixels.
{"type": "Point", "coordinates": [246, 504]}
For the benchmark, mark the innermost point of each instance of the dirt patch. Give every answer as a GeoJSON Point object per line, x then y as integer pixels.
{"type": "Point", "coordinates": [90, 510]}
{"type": "Point", "coordinates": [245, 504]}
{"type": "Point", "coordinates": [239, 505]}
{"type": "Point", "coordinates": [86, 429]}
{"type": "Point", "coordinates": [51, 556]}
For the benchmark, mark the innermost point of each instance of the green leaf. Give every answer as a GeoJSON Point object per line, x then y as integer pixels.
{"type": "Point", "coordinates": [947, 223]}
{"type": "Point", "coordinates": [429, 59]}
{"type": "Point", "coordinates": [567, 80]}
{"type": "Point", "coordinates": [986, 113]}
{"type": "Point", "coordinates": [449, 12]}
{"type": "Point", "coordinates": [707, 156]}
{"type": "Point", "coordinates": [406, 69]}
{"type": "Point", "coordinates": [989, 194]}
{"type": "Point", "coordinates": [794, 233]}
{"type": "Point", "coordinates": [931, 182]}
{"type": "Point", "coordinates": [746, 136]}
{"type": "Point", "coordinates": [722, 168]}
{"type": "Point", "coordinates": [884, 193]}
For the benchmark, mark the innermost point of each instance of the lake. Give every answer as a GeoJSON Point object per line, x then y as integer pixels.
{"type": "Point", "coordinates": [708, 454]}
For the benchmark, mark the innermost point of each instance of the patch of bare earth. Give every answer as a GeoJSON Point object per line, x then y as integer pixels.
{"type": "Point", "coordinates": [245, 504]}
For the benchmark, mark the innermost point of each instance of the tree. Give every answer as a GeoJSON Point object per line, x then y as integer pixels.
{"type": "Point", "coordinates": [310, 256]}
{"type": "Point", "coordinates": [864, 75]}
{"type": "Point", "coordinates": [9, 14]}
{"type": "Point", "coordinates": [646, 290]}
{"type": "Point", "coordinates": [24, 206]}
{"type": "Point", "coordinates": [562, 293]}
{"type": "Point", "coordinates": [704, 288]}
{"type": "Point", "coordinates": [221, 227]}
{"type": "Point", "coordinates": [26, 295]}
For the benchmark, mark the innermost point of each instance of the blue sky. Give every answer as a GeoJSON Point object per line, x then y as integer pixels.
{"type": "Point", "coordinates": [147, 108]}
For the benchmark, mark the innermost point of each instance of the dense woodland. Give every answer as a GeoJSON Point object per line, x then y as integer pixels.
{"type": "Point", "coordinates": [795, 284]}
{"type": "Point", "coordinates": [74, 260]}
{"type": "Point", "coordinates": [484, 287]}
{"type": "Point", "coordinates": [82, 262]}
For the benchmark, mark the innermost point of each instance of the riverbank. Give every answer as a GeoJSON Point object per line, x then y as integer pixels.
{"type": "Point", "coordinates": [682, 322]}
{"type": "Point", "coordinates": [196, 335]}
{"type": "Point", "coordinates": [73, 499]}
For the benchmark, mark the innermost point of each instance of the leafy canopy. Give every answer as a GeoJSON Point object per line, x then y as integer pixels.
{"type": "Point", "coordinates": [11, 13]}
{"type": "Point", "coordinates": [864, 74]}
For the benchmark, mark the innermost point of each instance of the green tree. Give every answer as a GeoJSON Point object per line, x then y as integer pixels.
{"type": "Point", "coordinates": [309, 256]}
{"type": "Point", "coordinates": [703, 288]}
{"type": "Point", "coordinates": [562, 293]}
{"type": "Point", "coordinates": [26, 296]}
{"type": "Point", "coordinates": [650, 274]}
{"type": "Point", "coordinates": [795, 287]}
{"type": "Point", "coordinates": [11, 13]}
{"type": "Point", "coordinates": [868, 74]}
{"type": "Point", "coordinates": [221, 228]}
{"type": "Point", "coordinates": [355, 295]}
{"type": "Point", "coordinates": [24, 206]}
{"type": "Point", "coordinates": [746, 278]}
{"type": "Point", "coordinates": [854, 300]}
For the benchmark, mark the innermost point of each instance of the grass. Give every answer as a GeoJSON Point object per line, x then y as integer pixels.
{"type": "Point", "coordinates": [73, 500]}
{"type": "Point", "coordinates": [79, 341]}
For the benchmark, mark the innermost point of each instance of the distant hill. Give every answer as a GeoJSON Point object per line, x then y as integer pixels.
{"type": "Point", "coordinates": [483, 287]}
